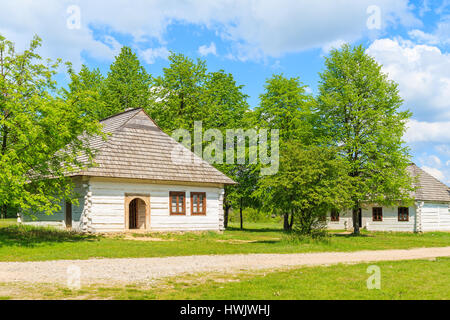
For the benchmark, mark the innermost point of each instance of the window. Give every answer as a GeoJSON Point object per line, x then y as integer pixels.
{"type": "Point", "coordinates": [377, 214]}
{"type": "Point", "coordinates": [177, 202]}
{"type": "Point", "coordinates": [198, 203]}
{"type": "Point", "coordinates": [403, 214]}
{"type": "Point", "coordinates": [334, 215]}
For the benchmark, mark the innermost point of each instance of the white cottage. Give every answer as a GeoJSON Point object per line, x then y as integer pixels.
{"type": "Point", "coordinates": [143, 180]}
{"type": "Point", "coordinates": [430, 212]}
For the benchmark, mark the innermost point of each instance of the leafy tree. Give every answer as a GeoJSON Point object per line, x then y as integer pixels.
{"type": "Point", "coordinates": [127, 84]}
{"type": "Point", "coordinates": [285, 105]}
{"type": "Point", "coordinates": [41, 132]}
{"type": "Point", "coordinates": [178, 94]}
{"type": "Point", "coordinates": [226, 103]}
{"type": "Point", "coordinates": [359, 112]}
{"type": "Point", "coordinates": [310, 181]}
{"type": "Point", "coordinates": [89, 84]}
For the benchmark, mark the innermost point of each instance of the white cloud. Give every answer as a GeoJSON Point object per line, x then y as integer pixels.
{"type": "Point", "coordinates": [205, 50]}
{"type": "Point", "coordinates": [422, 131]}
{"type": "Point", "coordinates": [443, 149]}
{"type": "Point", "coordinates": [423, 75]}
{"type": "Point", "coordinates": [255, 29]}
{"type": "Point", "coordinates": [150, 55]}
{"type": "Point", "coordinates": [424, 37]}
{"type": "Point", "coordinates": [438, 174]}
{"type": "Point", "coordinates": [438, 36]}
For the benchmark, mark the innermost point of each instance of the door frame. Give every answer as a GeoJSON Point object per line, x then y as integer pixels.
{"type": "Point", "coordinates": [130, 197]}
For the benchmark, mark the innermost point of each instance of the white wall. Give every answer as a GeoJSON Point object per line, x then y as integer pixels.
{"type": "Point", "coordinates": [108, 206]}
{"type": "Point", "coordinates": [57, 219]}
{"type": "Point", "coordinates": [390, 220]}
{"type": "Point", "coordinates": [435, 217]}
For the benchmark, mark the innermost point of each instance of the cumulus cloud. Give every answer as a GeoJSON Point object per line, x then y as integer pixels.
{"type": "Point", "coordinates": [438, 174]}
{"type": "Point", "coordinates": [438, 36]}
{"type": "Point", "coordinates": [422, 131]}
{"type": "Point", "coordinates": [423, 75]}
{"type": "Point", "coordinates": [254, 29]}
{"type": "Point", "coordinates": [206, 50]}
{"type": "Point", "coordinates": [150, 55]}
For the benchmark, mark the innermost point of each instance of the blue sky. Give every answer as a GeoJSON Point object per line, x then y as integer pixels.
{"type": "Point", "coordinates": [254, 39]}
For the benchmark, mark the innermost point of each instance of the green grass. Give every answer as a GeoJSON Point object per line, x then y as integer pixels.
{"type": "Point", "coordinates": [415, 279]}
{"type": "Point", "coordinates": [27, 243]}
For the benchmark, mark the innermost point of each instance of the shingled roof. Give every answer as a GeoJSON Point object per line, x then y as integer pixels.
{"type": "Point", "coordinates": [137, 148]}
{"type": "Point", "coordinates": [428, 187]}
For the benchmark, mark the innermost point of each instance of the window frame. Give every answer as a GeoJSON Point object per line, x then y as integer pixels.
{"type": "Point", "coordinates": [177, 194]}
{"type": "Point", "coordinates": [334, 215]}
{"type": "Point", "coordinates": [403, 213]}
{"type": "Point", "coordinates": [203, 213]}
{"type": "Point", "coordinates": [377, 217]}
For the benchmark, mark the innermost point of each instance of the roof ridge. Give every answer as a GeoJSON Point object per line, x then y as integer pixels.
{"type": "Point", "coordinates": [117, 114]}
{"type": "Point", "coordinates": [113, 132]}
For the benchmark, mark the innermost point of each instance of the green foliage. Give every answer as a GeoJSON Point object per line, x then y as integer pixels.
{"type": "Point", "coordinates": [187, 92]}
{"type": "Point", "coordinates": [310, 181]}
{"type": "Point", "coordinates": [179, 94]}
{"type": "Point", "coordinates": [285, 106]}
{"type": "Point", "coordinates": [42, 131]}
{"type": "Point", "coordinates": [359, 111]}
{"type": "Point", "coordinates": [86, 87]}
{"type": "Point", "coordinates": [127, 85]}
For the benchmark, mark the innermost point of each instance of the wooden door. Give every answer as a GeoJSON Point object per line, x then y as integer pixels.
{"type": "Point", "coordinates": [68, 215]}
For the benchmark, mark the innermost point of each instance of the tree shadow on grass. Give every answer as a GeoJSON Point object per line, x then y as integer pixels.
{"type": "Point", "coordinates": [351, 235]}
{"type": "Point", "coordinates": [255, 229]}
{"type": "Point", "coordinates": [31, 236]}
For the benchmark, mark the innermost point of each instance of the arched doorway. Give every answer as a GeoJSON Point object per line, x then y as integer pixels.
{"type": "Point", "coordinates": [136, 213]}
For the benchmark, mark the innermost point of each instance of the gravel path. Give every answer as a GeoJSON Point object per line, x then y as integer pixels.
{"type": "Point", "coordinates": [142, 269]}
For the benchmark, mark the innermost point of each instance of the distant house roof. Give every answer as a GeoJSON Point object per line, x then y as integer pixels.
{"type": "Point", "coordinates": [137, 148]}
{"type": "Point", "coordinates": [428, 187]}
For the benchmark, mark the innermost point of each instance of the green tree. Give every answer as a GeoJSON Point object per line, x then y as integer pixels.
{"type": "Point", "coordinates": [178, 94]}
{"type": "Point", "coordinates": [311, 180]}
{"type": "Point", "coordinates": [127, 84]}
{"type": "Point", "coordinates": [286, 106]}
{"type": "Point", "coordinates": [42, 133]}
{"type": "Point", "coordinates": [89, 84]}
{"type": "Point", "coordinates": [359, 112]}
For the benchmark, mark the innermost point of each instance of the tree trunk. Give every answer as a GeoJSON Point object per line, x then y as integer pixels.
{"type": "Point", "coordinates": [292, 221]}
{"type": "Point", "coordinates": [240, 213]}
{"type": "Point", "coordinates": [286, 222]}
{"type": "Point", "coordinates": [225, 216]}
{"type": "Point", "coordinates": [355, 219]}
{"type": "Point", "coordinates": [4, 211]}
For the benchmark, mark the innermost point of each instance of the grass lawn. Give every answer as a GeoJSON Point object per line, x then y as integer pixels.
{"type": "Point", "coordinates": [27, 243]}
{"type": "Point", "coordinates": [415, 279]}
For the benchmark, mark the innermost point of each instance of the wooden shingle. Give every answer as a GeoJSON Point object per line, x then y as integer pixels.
{"type": "Point", "coordinates": [428, 187]}
{"type": "Point", "coordinates": [138, 149]}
